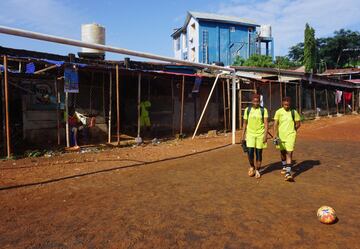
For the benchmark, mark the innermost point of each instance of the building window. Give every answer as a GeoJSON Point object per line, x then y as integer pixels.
{"type": "Point", "coordinates": [177, 44]}
{"type": "Point", "coordinates": [205, 46]}
{"type": "Point", "coordinates": [232, 29]}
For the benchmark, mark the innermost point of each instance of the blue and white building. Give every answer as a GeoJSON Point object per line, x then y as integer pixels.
{"type": "Point", "coordinates": [212, 38]}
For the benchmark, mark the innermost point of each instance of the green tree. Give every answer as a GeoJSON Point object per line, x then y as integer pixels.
{"type": "Point", "coordinates": [258, 60]}
{"type": "Point", "coordinates": [309, 49]}
{"type": "Point", "coordinates": [239, 61]}
{"type": "Point", "coordinates": [283, 62]}
{"type": "Point", "coordinates": [296, 53]}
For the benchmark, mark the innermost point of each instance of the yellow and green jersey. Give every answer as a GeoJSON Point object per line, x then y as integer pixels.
{"type": "Point", "coordinates": [286, 124]}
{"type": "Point", "coordinates": [255, 123]}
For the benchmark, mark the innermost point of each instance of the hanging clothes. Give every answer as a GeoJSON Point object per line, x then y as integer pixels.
{"type": "Point", "coordinates": [338, 95]}
{"type": "Point", "coordinates": [347, 97]}
{"type": "Point", "coordinates": [261, 100]}
{"type": "Point", "coordinates": [144, 114]}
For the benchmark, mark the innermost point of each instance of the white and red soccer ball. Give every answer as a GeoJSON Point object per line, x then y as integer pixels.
{"type": "Point", "coordinates": [326, 215]}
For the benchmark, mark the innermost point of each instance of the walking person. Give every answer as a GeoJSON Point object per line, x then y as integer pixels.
{"type": "Point", "coordinates": [287, 122]}
{"type": "Point", "coordinates": [254, 134]}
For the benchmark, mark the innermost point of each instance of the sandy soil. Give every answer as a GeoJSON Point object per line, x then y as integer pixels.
{"type": "Point", "coordinates": [186, 194]}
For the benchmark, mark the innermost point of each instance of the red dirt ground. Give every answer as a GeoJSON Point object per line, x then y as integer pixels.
{"type": "Point", "coordinates": [186, 194]}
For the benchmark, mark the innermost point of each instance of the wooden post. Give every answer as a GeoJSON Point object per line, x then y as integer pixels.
{"type": "Point", "coordinates": [228, 99]}
{"type": "Point", "coordinates": [110, 107]}
{"type": "Point", "coordinates": [327, 102]}
{"type": "Point", "coordinates": [240, 109]}
{"type": "Point", "coordinates": [67, 132]}
{"type": "Point", "coordinates": [285, 89]}
{"type": "Point", "coordinates": [57, 111]}
{"type": "Point", "coordinates": [103, 97]}
{"type": "Point", "coordinates": [117, 106]}
{"type": "Point", "coordinates": [139, 106]}
{"type": "Point", "coordinates": [300, 97]}
{"type": "Point", "coordinates": [270, 100]}
{"type": "Point", "coordinates": [172, 106]}
{"type": "Point", "coordinates": [314, 93]}
{"type": "Point", "coordinates": [182, 105]}
{"type": "Point", "coordinates": [296, 97]}
{"type": "Point", "coordinates": [353, 102]}
{"type": "Point", "coordinates": [337, 104]}
{"type": "Point", "coordinates": [281, 92]}
{"type": "Point", "coordinates": [7, 125]}
{"type": "Point", "coordinates": [224, 105]}
{"type": "Point", "coordinates": [343, 99]}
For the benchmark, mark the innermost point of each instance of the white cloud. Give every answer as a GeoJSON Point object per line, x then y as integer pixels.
{"type": "Point", "coordinates": [288, 17]}
{"type": "Point", "coordinates": [48, 16]}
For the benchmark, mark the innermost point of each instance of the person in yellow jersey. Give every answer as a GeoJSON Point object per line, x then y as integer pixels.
{"type": "Point", "coordinates": [287, 122]}
{"type": "Point", "coordinates": [254, 134]}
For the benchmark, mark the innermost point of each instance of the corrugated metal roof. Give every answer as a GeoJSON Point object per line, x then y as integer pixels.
{"type": "Point", "coordinates": [222, 18]}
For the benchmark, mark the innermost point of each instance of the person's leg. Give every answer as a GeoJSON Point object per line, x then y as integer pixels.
{"type": "Point", "coordinates": [250, 144]}
{"type": "Point", "coordinates": [283, 161]}
{"type": "Point", "coordinates": [288, 176]}
{"type": "Point", "coordinates": [75, 137]}
{"type": "Point", "coordinates": [258, 153]}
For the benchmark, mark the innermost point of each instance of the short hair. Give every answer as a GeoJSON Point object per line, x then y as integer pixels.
{"type": "Point", "coordinates": [286, 99]}
{"type": "Point", "coordinates": [256, 96]}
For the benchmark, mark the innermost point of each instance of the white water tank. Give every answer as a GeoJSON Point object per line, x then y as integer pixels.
{"type": "Point", "coordinates": [93, 33]}
{"type": "Point", "coordinates": [265, 30]}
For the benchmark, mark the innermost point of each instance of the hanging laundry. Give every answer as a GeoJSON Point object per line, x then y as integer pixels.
{"type": "Point", "coordinates": [196, 88]}
{"type": "Point", "coordinates": [261, 100]}
{"type": "Point", "coordinates": [347, 97]}
{"type": "Point", "coordinates": [30, 67]}
{"type": "Point", "coordinates": [338, 95]}
{"type": "Point", "coordinates": [71, 80]}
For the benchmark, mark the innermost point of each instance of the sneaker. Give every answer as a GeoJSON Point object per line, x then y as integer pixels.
{"type": "Point", "coordinates": [257, 174]}
{"type": "Point", "coordinates": [283, 171]}
{"type": "Point", "coordinates": [288, 177]}
{"type": "Point", "coordinates": [251, 172]}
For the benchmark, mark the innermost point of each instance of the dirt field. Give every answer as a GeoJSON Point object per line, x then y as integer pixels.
{"type": "Point", "coordinates": [186, 194]}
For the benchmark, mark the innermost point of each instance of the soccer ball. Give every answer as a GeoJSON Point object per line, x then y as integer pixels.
{"type": "Point", "coordinates": [326, 215]}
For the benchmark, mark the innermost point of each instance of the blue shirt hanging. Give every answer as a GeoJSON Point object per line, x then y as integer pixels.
{"type": "Point", "coordinates": [71, 80]}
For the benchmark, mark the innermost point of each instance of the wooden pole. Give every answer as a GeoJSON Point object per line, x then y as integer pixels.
{"type": "Point", "coordinates": [314, 93]}
{"type": "Point", "coordinates": [327, 102]}
{"type": "Point", "coordinates": [57, 111]}
{"type": "Point", "coordinates": [353, 101]}
{"type": "Point", "coordinates": [117, 106]}
{"type": "Point", "coordinates": [300, 97]}
{"type": "Point", "coordinates": [139, 106]}
{"type": "Point", "coordinates": [270, 99]}
{"type": "Point", "coordinates": [103, 97]}
{"type": "Point", "coordinates": [67, 133]}
{"type": "Point", "coordinates": [296, 97]}
{"type": "Point", "coordinates": [7, 125]}
{"type": "Point", "coordinates": [285, 93]}
{"type": "Point", "coordinates": [182, 105]}
{"type": "Point", "coordinates": [172, 105]}
{"type": "Point", "coordinates": [228, 100]}
{"type": "Point", "coordinates": [110, 107]}
{"type": "Point", "coordinates": [343, 98]}
{"type": "Point", "coordinates": [281, 92]}
{"type": "Point", "coordinates": [224, 105]}
{"type": "Point", "coordinates": [240, 108]}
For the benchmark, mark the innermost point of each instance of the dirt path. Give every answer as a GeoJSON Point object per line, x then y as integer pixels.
{"type": "Point", "coordinates": [205, 200]}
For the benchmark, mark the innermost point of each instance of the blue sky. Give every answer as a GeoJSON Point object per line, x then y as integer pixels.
{"type": "Point", "coordinates": [146, 25]}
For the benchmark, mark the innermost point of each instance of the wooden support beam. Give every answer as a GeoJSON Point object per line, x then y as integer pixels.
{"type": "Point", "coordinates": [228, 100]}
{"type": "Point", "coordinates": [45, 69]}
{"type": "Point", "coordinates": [67, 132]}
{"type": "Point", "coordinates": [224, 105]}
{"type": "Point", "coordinates": [327, 102]}
{"type": "Point", "coordinates": [6, 93]}
{"type": "Point", "coordinates": [139, 106]}
{"type": "Point", "coordinates": [110, 107]}
{"type": "Point", "coordinates": [182, 105]}
{"type": "Point", "coordinates": [57, 111]}
{"type": "Point", "coordinates": [117, 106]}
{"type": "Point", "coordinates": [314, 95]}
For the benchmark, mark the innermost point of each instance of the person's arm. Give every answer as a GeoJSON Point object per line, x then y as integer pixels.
{"type": "Point", "coordinates": [243, 136]}
{"type": "Point", "coordinates": [297, 120]}
{"type": "Point", "coordinates": [297, 125]}
{"type": "Point", "coordinates": [276, 128]}
{"type": "Point", "coordinates": [266, 125]}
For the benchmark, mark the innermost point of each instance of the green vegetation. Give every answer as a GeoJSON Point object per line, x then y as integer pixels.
{"type": "Point", "coordinates": [257, 60]}
{"type": "Point", "coordinates": [309, 49]}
